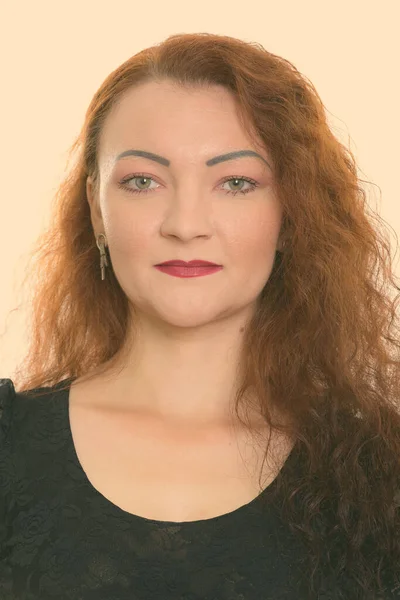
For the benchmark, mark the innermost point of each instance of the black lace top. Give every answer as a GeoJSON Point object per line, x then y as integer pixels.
{"type": "Point", "coordinates": [61, 538]}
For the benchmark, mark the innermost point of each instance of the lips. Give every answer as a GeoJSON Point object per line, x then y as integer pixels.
{"type": "Point", "coordinates": [191, 263]}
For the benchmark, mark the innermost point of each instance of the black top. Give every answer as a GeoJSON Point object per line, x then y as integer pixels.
{"type": "Point", "coordinates": [61, 538]}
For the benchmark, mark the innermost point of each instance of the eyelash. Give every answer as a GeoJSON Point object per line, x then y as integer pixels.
{"type": "Point", "coordinates": [122, 185]}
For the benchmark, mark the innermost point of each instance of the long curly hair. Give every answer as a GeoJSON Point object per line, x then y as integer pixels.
{"type": "Point", "coordinates": [322, 347]}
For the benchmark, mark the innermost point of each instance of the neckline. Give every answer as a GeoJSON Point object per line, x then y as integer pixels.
{"type": "Point", "coordinates": [120, 512]}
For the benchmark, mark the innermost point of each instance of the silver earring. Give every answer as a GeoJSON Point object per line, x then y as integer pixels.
{"type": "Point", "coordinates": [103, 256]}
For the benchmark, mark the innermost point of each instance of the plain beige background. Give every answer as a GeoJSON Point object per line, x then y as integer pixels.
{"type": "Point", "coordinates": [54, 56]}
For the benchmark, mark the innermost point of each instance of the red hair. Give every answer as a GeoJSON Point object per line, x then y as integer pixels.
{"type": "Point", "coordinates": [323, 345]}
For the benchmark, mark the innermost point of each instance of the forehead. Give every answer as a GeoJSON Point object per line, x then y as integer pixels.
{"type": "Point", "coordinates": [183, 122]}
{"type": "Point", "coordinates": [168, 99]}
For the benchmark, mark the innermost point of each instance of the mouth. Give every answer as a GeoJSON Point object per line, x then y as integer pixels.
{"type": "Point", "coordinates": [191, 263]}
{"type": "Point", "coordinates": [188, 270]}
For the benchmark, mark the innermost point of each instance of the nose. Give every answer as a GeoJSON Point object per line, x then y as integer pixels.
{"type": "Point", "coordinates": [188, 219]}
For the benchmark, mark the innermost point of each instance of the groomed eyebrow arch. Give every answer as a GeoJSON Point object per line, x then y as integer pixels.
{"type": "Point", "coordinates": [209, 163]}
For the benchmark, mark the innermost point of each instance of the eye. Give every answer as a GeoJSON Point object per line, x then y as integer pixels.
{"type": "Point", "coordinates": [141, 176]}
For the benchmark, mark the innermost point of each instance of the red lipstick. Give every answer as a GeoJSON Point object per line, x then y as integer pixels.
{"type": "Point", "coordinates": [193, 268]}
{"type": "Point", "coordinates": [190, 263]}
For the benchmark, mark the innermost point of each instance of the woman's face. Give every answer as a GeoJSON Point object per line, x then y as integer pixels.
{"type": "Point", "coordinates": [185, 208]}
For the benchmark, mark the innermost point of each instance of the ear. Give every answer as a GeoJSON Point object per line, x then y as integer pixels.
{"type": "Point", "coordinates": [95, 212]}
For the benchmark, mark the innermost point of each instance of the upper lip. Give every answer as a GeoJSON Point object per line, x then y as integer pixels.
{"type": "Point", "coordinates": [190, 263]}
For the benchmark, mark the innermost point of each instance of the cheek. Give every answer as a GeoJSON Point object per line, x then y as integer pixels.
{"type": "Point", "coordinates": [254, 238]}
{"type": "Point", "coordinates": [129, 240]}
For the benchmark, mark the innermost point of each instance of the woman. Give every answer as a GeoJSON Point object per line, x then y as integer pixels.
{"type": "Point", "coordinates": [194, 431]}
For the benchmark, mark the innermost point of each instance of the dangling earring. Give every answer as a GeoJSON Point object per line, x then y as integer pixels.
{"type": "Point", "coordinates": [103, 256]}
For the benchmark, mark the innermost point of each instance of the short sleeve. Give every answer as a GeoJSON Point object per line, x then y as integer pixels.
{"type": "Point", "coordinates": [7, 394]}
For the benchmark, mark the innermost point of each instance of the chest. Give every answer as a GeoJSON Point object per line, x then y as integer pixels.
{"type": "Point", "coordinates": [166, 473]}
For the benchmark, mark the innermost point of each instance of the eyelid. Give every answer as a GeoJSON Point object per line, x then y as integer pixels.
{"type": "Point", "coordinates": [224, 179]}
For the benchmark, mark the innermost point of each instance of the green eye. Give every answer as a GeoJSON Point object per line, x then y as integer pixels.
{"type": "Point", "coordinates": [123, 184]}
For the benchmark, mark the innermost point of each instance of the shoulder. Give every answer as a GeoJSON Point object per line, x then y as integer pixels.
{"type": "Point", "coordinates": [33, 410]}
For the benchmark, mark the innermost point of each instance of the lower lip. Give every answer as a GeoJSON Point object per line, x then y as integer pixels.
{"type": "Point", "coordinates": [188, 271]}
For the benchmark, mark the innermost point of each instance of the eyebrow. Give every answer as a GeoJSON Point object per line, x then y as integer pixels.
{"type": "Point", "coordinates": [209, 163]}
